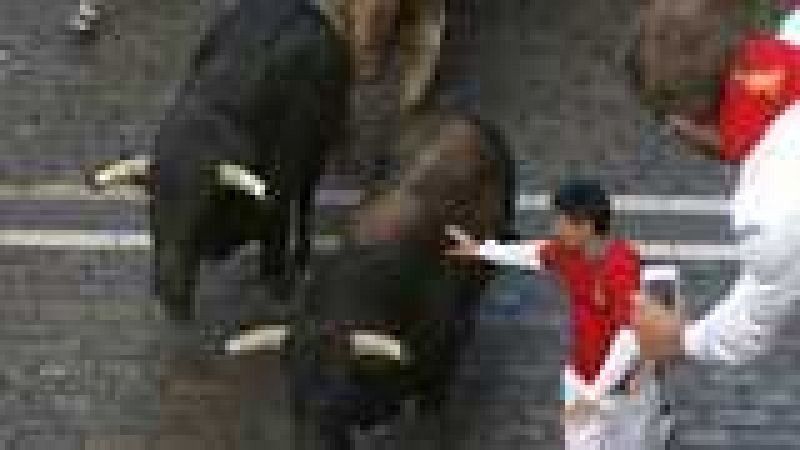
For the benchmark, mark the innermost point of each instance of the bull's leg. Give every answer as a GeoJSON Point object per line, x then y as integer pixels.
{"type": "Point", "coordinates": [286, 246]}
{"type": "Point", "coordinates": [274, 246]}
{"type": "Point", "coordinates": [319, 421]}
{"type": "Point", "coordinates": [176, 265]}
{"type": "Point", "coordinates": [314, 428]}
{"type": "Point", "coordinates": [180, 205]}
{"type": "Point", "coordinates": [301, 251]}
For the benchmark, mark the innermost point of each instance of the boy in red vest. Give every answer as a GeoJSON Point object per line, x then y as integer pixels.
{"type": "Point", "coordinates": [602, 277]}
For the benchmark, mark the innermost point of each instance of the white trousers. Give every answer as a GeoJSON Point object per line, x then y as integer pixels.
{"type": "Point", "coordinates": [630, 423]}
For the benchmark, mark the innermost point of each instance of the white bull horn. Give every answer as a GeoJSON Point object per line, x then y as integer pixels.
{"type": "Point", "coordinates": [125, 170]}
{"type": "Point", "coordinates": [122, 171]}
{"type": "Point", "coordinates": [270, 338]}
{"type": "Point", "coordinates": [242, 179]}
{"type": "Point", "coordinates": [368, 343]}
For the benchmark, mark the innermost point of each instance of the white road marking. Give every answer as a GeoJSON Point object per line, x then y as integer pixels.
{"type": "Point", "coordinates": [75, 239]}
{"type": "Point", "coordinates": [690, 252]}
{"type": "Point", "coordinates": [126, 241]}
{"type": "Point", "coordinates": [683, 204]}
{"type": "Point", "coordinates": [72, 192]}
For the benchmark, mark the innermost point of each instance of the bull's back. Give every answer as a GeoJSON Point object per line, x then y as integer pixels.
{"type": "Point", "coordinates": [269, 77]}
{"type": "Point", "coordinates": [282, 133]}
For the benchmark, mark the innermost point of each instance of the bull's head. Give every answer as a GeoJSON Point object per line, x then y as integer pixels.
{"type": "Point", "coordinates": [361, 343]}
{"type": "Point", "coordinates": [138, 171]}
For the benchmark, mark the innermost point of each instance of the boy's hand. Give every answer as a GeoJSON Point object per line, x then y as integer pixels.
{"type": "Point", "coordinates": [465, 246]}
{"type": "Point", "coordinates": [465, 249]}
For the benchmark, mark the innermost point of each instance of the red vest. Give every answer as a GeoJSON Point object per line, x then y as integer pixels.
{"type": "Point", "coordinates": [602, 299]}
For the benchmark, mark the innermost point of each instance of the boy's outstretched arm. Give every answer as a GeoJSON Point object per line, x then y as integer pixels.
{"type": "Point", "coordinates": [525, 254]}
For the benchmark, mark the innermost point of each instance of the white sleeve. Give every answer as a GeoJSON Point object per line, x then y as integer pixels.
{"type": "Point", "coordinates": [743, 325]}
{"type": "Point", "coordinates": [622, 357]}
{"type": "Point", "coordinates": [522, 255]}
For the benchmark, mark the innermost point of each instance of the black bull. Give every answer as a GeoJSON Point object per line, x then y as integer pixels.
{"type": "Point", "coordinates": [390, 277]}
{"type": "Point", "coordinates": [267, 93]}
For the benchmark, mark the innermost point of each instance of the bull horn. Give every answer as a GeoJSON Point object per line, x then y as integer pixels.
{"type": "Point", "coordinates": [367, 343]}
{"type": "Point", "coordinates": [126, 171]}
{"type": "Point", "coordinates": [270, 338]}
{"type": "Point", "coordinates": [121, 172]}
{"type": "Point", "coordinates": [242, 179]}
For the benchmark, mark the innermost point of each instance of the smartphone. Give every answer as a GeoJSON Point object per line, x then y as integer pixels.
{"type": "Point", "coordinates": [661, 284]}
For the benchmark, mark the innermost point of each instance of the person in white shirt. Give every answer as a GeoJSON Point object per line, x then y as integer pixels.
{"type": "Point", "coordinates": [767, 207]}
{"type": "Point", "coordinates": [766, 210]}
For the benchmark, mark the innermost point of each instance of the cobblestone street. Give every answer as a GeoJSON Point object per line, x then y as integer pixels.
{"type": "Point", "coordinates": [80, 333]}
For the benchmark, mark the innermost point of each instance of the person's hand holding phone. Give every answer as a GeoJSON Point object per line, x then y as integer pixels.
{"type": "Point", "coordinates": [466, 246]}
{"type": "Point", "coordinates": [659, 330]}
{"type": "Point", "coordinates": [660, 322]}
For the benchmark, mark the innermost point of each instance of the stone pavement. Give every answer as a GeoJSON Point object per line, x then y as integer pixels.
{"type": "Point", "coordinates": [80, 334]}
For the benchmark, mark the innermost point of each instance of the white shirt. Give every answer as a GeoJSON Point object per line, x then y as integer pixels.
{"type": "Point", "coordinates": [766, 212]}
{"type": "Point", "coordinates": [790, 29]}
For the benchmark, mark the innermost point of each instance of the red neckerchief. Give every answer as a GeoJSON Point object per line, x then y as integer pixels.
{"type": "Point", "coordinates": [745, 116]}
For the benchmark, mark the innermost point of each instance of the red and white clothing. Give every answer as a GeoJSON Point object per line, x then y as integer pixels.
{"type": "Point", "coordinates": [602, 295]}
{"type": "Point", "coordinates": [601, 292]}
{"type": "Point", "coordinates": [604, 350]}
{"type": "Point", "coordinates": [766, 210]}
{"type": "Point", "coordinates": [745, 114]}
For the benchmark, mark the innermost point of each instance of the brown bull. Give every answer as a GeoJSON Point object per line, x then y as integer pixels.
{"type": "Point", "coordinates": [390, 278]}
